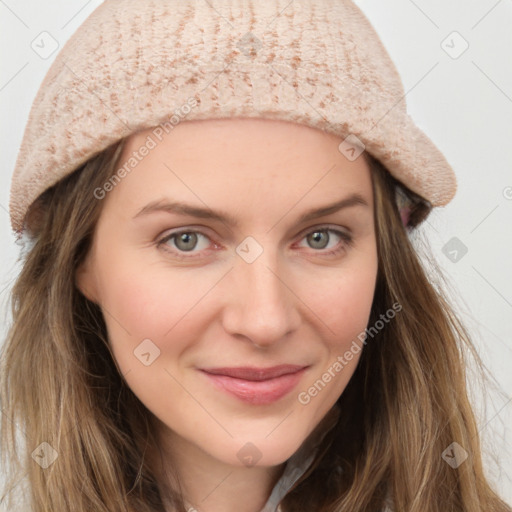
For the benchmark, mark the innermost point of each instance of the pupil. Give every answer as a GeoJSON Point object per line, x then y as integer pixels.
{"type": "Point", "coordinates": [317, 236]}
{"type": "Point", "coordinates": [186, 238]}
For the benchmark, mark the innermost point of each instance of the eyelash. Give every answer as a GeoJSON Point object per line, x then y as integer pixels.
{"type": "Point", "coordinates": [347, 241]}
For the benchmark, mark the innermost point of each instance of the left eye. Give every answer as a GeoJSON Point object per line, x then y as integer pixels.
{"type": "Point", "coordinates": [320, 238]}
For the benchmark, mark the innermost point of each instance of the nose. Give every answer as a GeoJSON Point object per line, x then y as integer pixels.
{"type": "Point", "coordinates": [261, 305]}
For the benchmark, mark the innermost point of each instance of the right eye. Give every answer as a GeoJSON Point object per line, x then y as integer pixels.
{"type": "Point", "coordinates": [183, 241]}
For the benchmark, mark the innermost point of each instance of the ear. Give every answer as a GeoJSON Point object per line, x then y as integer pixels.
{"type": "Point", "coordinates": [85, 280]}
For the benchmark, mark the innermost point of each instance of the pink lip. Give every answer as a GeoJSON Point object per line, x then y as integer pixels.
{"type": "Point", "coordinates": [257, 386]}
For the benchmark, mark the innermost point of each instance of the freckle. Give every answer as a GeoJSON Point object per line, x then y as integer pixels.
{"type": "Point", "coordinates": [296, 62]}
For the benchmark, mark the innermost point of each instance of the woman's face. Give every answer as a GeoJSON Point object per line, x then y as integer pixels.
{"type": "Point", "coordinates": [232, 287]}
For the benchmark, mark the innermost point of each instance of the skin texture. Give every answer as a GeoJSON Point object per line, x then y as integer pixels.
{"type": "Point", "coordinates": [294, 304]}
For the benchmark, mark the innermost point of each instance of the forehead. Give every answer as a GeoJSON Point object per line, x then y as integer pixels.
{"type": "Point", "coordinates": [248, 141]}
{"type": "Point", "coordinates": [242, 163]}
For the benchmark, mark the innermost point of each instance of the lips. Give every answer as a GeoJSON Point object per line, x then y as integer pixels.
{"type": "Point", "coordinates": [257, 386]}
{"type": "Point", "coordinates": [255, 374]}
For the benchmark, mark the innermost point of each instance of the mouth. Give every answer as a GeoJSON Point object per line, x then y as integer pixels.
{"type": "Point", "coordinates": [257, 386]}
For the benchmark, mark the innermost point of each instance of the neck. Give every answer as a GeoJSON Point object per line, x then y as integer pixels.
{"type": "Point", "coordinates": [210, 485]}
{"type": "Point", "coordinates": [207, 484]}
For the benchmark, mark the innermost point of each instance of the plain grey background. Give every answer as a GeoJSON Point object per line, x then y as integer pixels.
{"type": "Point", "coordinates": [455, 59]}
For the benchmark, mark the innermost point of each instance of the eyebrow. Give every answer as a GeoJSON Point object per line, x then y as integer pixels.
{"type": "Point", "coordinates": [206, 213]}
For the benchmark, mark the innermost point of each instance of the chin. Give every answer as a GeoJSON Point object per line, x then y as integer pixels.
{"type": "Point", "coordinates": [262, 452]}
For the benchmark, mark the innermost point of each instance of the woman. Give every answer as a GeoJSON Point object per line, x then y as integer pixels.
{"type": "Point", "coordinates": [220, 308]}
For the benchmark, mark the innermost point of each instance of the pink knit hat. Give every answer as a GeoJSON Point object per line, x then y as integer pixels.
{"type": "Point", "coordinates": [137, 64]}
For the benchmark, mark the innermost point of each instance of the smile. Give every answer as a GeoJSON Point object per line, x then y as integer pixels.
{"type": "Point", "coordinates": [257, 386]}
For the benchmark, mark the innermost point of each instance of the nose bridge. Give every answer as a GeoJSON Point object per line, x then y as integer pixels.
{"type": "Point", "coordinates": [262, 307]}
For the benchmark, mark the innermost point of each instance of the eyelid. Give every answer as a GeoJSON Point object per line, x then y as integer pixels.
{"type": "Point", "coordinates": [169, 235]}
{"type": "Point", "coordinates": [325, 227]}
{"type": "Point", "coordinates": [347, 238]}
{"type": "Point", "coordinates": [343, 232]}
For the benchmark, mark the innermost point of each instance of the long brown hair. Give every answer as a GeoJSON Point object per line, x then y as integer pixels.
{"type": "Point", "coordinates": [405, 404]}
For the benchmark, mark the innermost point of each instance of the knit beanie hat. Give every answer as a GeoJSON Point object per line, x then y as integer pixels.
{"type": "Point", "coordinates": [138, 64]}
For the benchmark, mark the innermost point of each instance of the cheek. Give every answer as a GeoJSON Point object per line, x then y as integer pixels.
{"type": "Point", "coordinates": [342, 302]}
{"type": "Point", "coordinates": [342, 307]}
{"type": "Point", "coordinates": [351, 303]}
{"type": "Point", "coordinates": [142, 302]}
